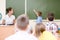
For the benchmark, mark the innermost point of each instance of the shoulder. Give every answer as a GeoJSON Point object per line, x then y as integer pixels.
{"type": "Point", "coordinates": [50, 35]}
{"type": "Point", "coordinates": [9, 38]}
{"type": "Point", "coordinates": [12, 37]}
{"type": "Point", "coordinates": [39, 16]}
{"type": "Point", "coordinates": [32, 37]}
{"type": "Point", "coordinates": [54, 24]}
{"type": "Point", "coordinates": [13, 16]}
{"type": "Point", "coordinates": [5, 17]}
{"type": "Point", "coordinates": [47, 24]}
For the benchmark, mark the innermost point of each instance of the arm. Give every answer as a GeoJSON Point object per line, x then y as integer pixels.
{"type": "Point", "coordinates": [13, 21]}
{"type": "Point", "coordinates": [3, 22]}
{"type": "Point", "coordinates": [35, 12]}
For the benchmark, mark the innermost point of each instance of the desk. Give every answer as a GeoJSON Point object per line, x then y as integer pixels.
{"type": "Point", "coordinates": [6, 31]}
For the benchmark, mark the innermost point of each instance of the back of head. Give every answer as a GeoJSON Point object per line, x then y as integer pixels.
{"type": "Point", "coordinates": [39, 13]}
{"type": "Point", "coordinates": [47, 36]}
{"type": "Point", "coordinates": [22, 21]}
{"type": "Point", "coordinates": [8, 9]}
{"type": "Point", "coordinates": [50, 16]}
{"type": "Point", "coordinates": [40, 28]}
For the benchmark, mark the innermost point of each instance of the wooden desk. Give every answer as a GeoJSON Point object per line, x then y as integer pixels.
{"type": "Point", "coordinates": [6, 31]}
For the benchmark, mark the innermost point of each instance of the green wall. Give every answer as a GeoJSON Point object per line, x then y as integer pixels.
{"type": "Point", "coordinates": [44, 6]}
{"type": "Point", "coordinates": [17, 5]}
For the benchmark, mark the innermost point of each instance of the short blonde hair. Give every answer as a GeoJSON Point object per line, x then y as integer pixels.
{"type": "Point", "coordinates": [22, 21]}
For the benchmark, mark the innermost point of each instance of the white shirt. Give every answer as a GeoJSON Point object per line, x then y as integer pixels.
{"type": "Point", "coordinates": [39, 19]}
{"type": "Point", "coordinates": [9, 20]}
{"type": "Point", "coordinates": [52, 27]}
{"type": "Point", "coordinates": [21, 35]}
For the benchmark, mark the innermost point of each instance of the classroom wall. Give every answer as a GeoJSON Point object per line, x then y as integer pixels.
{"type": "Point", "coordinates": [44, 6]}
{"type": "Point", "coordinates": [2, 9]}
{"type": "Point", "coordinates": [17, 5]}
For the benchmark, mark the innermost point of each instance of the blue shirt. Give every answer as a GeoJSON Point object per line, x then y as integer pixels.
{"type": "Point", "coordinates": [39, 19]}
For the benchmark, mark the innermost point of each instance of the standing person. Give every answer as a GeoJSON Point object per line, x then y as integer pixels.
{"type": "Point", "coordinates": [9, 19]}
{"type": "Point", "coordinates": [51, 25]}
{"type": "Point", "coordinates": [22, 23]}
{"type": "Point", "coordinates": [39, 16]}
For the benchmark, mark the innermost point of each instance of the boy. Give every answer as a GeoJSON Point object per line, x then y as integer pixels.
{"type": "Point", "coordinates": [51, 26]}
{"type": "Point", "coordinates": [39, 16]}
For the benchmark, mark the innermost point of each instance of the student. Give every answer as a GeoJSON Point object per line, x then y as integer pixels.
{"type": "Point", "coordinates": [39, 16]}
{"type": "Point", "coordinates": [45, 35]}
{"type": "Point", "coordinates": [22, 23]}
{"type": "Point", "coordinates": [29, 29]}
{"type": "Point", "coordinates": [9, 19]}
{"type": "Point", "coordinates": [37, 29]}
{"type": "Point", "coordinates": [51, 26]}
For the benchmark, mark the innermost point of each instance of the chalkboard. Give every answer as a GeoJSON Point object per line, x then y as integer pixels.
{"type": "Point", "coordinates": [17, 5]}
{"type": "Point", "coordinates": [44, 6]}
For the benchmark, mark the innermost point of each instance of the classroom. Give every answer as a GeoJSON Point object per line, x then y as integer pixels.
{"type": "Point", "coordinates": [29, 14]}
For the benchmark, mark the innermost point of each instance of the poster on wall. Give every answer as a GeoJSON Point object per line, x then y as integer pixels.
{"type": "Point", "coordinates": [2, 10]}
